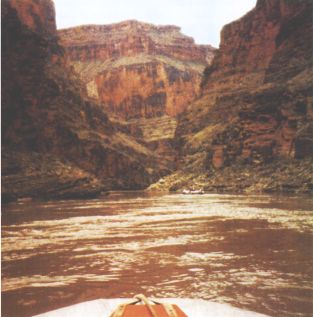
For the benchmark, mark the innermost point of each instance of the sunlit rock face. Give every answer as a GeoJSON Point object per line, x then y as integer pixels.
{"type": "Point", "coordinates": [140, 73]}
{"type": "Point", "coordinates": [55, 141]}
{"type": "Point", "coordinates": [256, 104]}
{"type": "Point", "coordinates": [137, 70]}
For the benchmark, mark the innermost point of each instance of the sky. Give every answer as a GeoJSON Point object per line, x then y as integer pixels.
{"type": "Point", "coordinates": [200, 19]}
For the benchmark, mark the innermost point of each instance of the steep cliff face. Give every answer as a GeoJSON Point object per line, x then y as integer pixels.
{"type": "Point", "coordinates": [252, 128]}
{"type": "Point", "coordinates": [146, 90]}
{"type": "Point", "coordinates": [56, 142]}
{"type": "Point", "coordinates": [137, 70]}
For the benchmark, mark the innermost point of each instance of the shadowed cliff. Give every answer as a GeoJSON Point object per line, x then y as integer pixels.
{"type": "Point", "coordinates": [55, 141]}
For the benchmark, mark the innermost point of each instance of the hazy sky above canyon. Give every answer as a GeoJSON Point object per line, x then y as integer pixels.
{"type": "Point", "coordinates": [201, 19]}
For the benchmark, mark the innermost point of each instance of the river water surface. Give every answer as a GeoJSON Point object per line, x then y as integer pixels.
{"type": "Point", "coordinates": [253, 252]}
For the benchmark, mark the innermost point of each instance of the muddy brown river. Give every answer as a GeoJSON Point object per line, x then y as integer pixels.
{"type": "Point", "coordinates": [253, 252]}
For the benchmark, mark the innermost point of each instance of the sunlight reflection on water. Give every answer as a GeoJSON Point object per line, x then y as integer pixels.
{"type": "Point", "coordinates": [235, 249]}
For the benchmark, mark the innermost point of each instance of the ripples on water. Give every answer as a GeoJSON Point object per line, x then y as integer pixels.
{"type": "Point", "coordinates": [254, 252]}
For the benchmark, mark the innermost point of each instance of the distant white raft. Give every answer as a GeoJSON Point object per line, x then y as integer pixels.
{"type": "Point", "coordinates": [191, 307]}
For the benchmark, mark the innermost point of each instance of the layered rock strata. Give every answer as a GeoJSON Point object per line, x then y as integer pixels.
{"type": "Point", "coordinates": [55, 141]}
{"type": "Point", "coordinates": [254, 119]}
{"type": "Point", "coordinates": [137, 70]}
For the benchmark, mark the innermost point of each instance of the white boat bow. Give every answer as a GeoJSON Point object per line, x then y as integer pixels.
{"type": "Point", "coordinates": [191, 307]}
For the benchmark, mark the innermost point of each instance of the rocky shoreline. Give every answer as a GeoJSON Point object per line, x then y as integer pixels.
{"type": "Point", "coordinates": [280, 176]}
{"type": "Point", "coordinates": [45, 177]}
